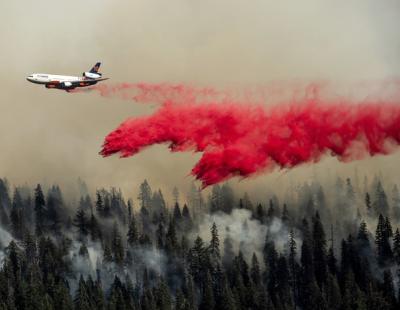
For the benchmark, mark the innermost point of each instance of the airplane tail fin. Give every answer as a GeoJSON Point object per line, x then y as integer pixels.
{"type": "Point", "coordinates": [95, 68]}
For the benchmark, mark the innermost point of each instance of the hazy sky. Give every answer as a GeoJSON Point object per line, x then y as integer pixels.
{"type": "Point", "coordinates": [53, 136]}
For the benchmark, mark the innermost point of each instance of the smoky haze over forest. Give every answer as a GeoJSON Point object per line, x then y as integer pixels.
{"type": "Point", "coordinates": [52, 136]}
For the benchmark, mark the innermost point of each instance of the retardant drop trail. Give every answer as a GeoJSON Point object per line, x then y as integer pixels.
{"type": "Point", "coordinates": [245, 140]}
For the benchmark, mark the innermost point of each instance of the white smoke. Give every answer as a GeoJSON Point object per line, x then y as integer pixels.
{"type": "Point", "coordinates": [5, 239]}
{"type": "Point", "coordinates": [247, 234]}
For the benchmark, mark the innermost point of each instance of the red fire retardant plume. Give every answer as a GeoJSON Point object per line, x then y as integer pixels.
{"type": "Point", "coordinates": [157, 93]}
{"type": "Point", "coordinates": [243, 140]}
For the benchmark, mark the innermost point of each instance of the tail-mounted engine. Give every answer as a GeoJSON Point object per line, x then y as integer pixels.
{"type": "Point", "coordinates": [91, 75]}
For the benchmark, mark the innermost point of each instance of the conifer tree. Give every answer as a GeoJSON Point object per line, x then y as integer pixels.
{"type": "Point", "coordinates": [388, 289]}
{"type": "Point", "coordinates": [260, 213]}
{"type": "Point", "coordinates": [81, 223]}
{"type": "Point", "coordinates": [117, 247]}
{"type": "Point", "coordinates": [39, 210]}
{"type": "Point", "coordinates": [384, 251]}
{"type": "Point", "coordinates": [17, 215]}
{"type": "Point", "coordinates": [255, 271]}
{"type": "Point", "coordinates": [99, 203]}
{"type": "Point", "coordinates": [271, 210]}
{"type": "Point", "coordinates": [396, 247]}
{"type": "Point", "coordinates": [145, 194]}
{"type": "Point", "coordinates": [171, 240]}
{"type": "Point", "coordinates": [362, 237]}
{"type": "Point", "coordinates": [107, 254]}
{"type": "Point", "coordinates": [319, 251]}
{"type": "Point", "coordinates": [214, 244]}
{"type": "Point", "coordinates": [368, 205]}
{"type": "Point", "coordinates": [82, 301]}
{"type": "Point", "coordinates": [177, 213]}
{"type": "Point", "coordinates": [94, 228]}
{"type": "Point", "coordinates": [292, 265]}
{"type": "Point", "coordinates": [380, 204]}
{"type": "Point", "coordinates": [133, 234]}
{"type": "Point", "coordinates": [196, 259]}
{"type": "Point", "coordinates": [163, 297]}
{"type": "Point", "coordinates": [285, 214]}
{"type": "Point", "coordinates": [208, 301]}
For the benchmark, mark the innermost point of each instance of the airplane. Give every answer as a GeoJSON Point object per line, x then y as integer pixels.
{"type": "Point", "coordinates": [68, 83]}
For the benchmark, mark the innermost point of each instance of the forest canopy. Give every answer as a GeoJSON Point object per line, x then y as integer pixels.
{"type": "Point", "coordinates": [315, 248]}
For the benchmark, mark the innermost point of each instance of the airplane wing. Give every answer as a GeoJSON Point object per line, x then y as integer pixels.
{"type": "Point", "coordinates": [101, 79]}
{"type": "Point", "coordinates": [87, 82]}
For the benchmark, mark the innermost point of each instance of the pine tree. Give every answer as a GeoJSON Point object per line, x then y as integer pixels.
{"type": "Point", "coordinates": [283, 283]}
{"type": "Point", "coordinates": [363, 237]}
{"type": "Point", "coordinates": [133, 234]}
{"type": "Point", "coordinates": [99, 203]}
{"type": "Point", "coordinates": [396, 247]}
{"type": "Point", "coordinates": [368, 204]}
{"type": "Point", "coordinates": [197, 259]}
{"type": "Point", "coordinates": [81, 223]}
{"type": "Point", "coordinates": [214, 244]}
{"type": "Point", "coordinates": [293, 266]}
{"type": "Point", "coordinates": [145, 194]}
{"type": "Point", "coordinates": [228, 250]}
{"type": "Point", "coordinates": [271, 210]}
{"type": "Point", "coordinates": [94, 228]}
{"type": "Point", "coordinates": [227, 198]}
{"type": "Point", "coordinates": [384, 251]}
{"type": "Point", "coordinates": [388, 289]}
{"type": "Point", "coordinates": [39, 210]}
{"type": "Point", "coordinates": [107, 206]}
{"type": "Point", "coordinates": [226, 300]}
{"type": "Point", "coordinates": [160, 236]}
{"type": "Point", "coordinates": [107, 254]}
{"type": "Point", "coordinates": [208, 301]}
{"type": "Point", "coordinates": [255, 270]}
{"type": "Point", "coordinates": [180, 301]}
{"type": "Point", "coordinates": [188, 290]}
{"type": "Point", "coordinates": [319, 251]}
{"type": "Point", "coordinates": [17, 215]}
{"type": "Point", "coordinates": [171, 240]}
{"type": "Point", "coordinates": [388, 228]}
{"type": "Point", "coordinates": [82, 301]}
{"type": "Point", "coordinates": [285, 214]}
{"type": "Point", "coordinates": [163, 297]}
{"type": "Point", "coordinates": [333, 295]}
{"type": "Point", "coordinates": [215, 199]}
{"type": "Point", "coordinates": [117, 247]}
{"type": "Point", "coordinates": [350, 194]}
{"type": "Point", "coordinates": [187, 219]}
{"type": "Point", "coordinates": [177, 213]}
{"type": "Point", "coordinates": [116, 298]}
{"type": "Point", "coordinates": [260, 213]}
{"type": "Point", "coordinates": [332, 261]}
{"type": "Point", "coordinates": [270, 261]}
{"type": "Point", "coordinates": [380, 204]}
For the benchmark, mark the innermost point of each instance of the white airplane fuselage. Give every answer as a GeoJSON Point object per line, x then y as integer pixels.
{"type": "Point", "coordinates": [43, 78]}
{"type": "Point", "coordinates": [67, 82]}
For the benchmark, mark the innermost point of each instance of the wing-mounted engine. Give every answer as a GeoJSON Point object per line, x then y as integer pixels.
{"type": "Point", "coordinates": [91, 75]}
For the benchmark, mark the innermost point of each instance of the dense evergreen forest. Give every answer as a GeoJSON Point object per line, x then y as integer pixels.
{"type": "Point", "coordinates": [318, 247]}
